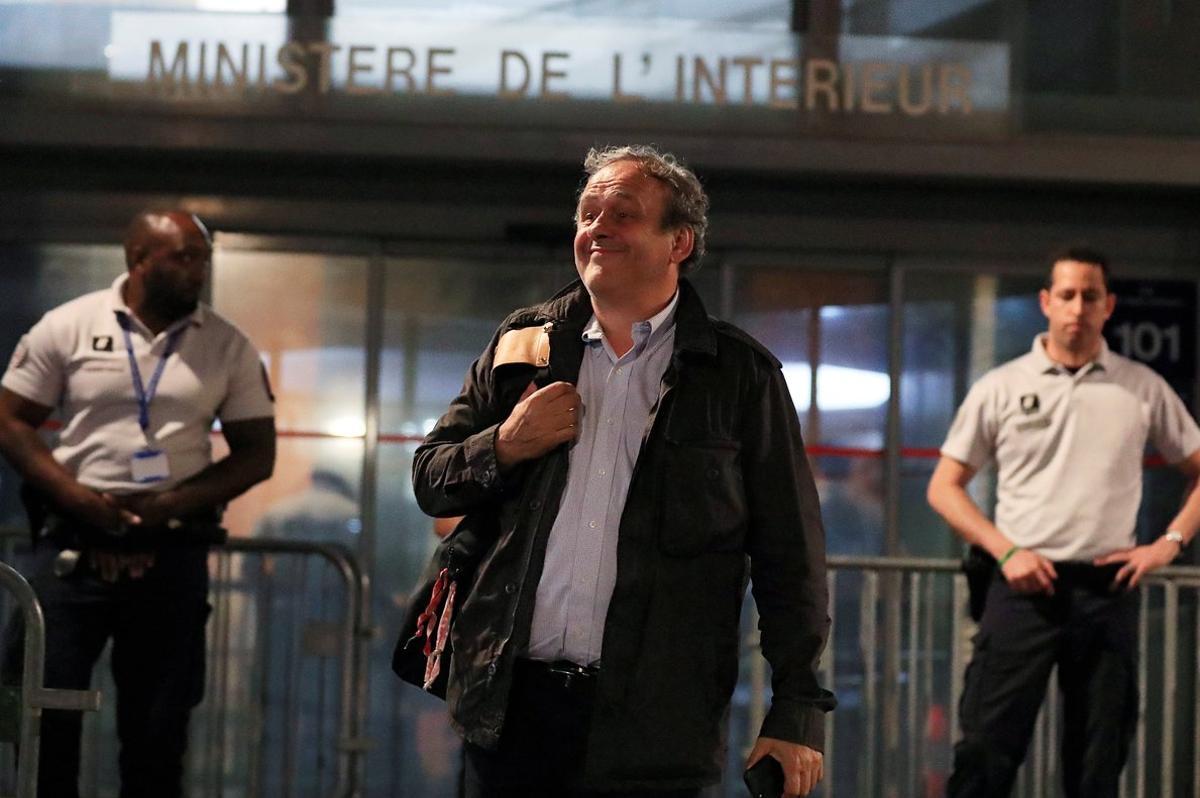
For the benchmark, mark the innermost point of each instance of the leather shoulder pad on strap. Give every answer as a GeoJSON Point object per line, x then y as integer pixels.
{"type": "Point", "coordinates": [529, 345]}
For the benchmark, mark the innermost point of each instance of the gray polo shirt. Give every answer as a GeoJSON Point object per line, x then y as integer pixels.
{"type": "Point", "coordinates": [1069, 447]}
{"type": "Point", "coordinates": [581, 556]}
{"type": "Point", "coordinates": [75, 359]}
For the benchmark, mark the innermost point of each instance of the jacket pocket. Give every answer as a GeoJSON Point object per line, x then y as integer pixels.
{"type": "Point", "coordinates": [704, 507]}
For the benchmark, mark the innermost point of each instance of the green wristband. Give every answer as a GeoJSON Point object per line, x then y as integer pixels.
{"type": "Point", "coordinates": [1008, 555]}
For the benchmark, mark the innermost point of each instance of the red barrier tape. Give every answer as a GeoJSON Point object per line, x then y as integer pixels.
{"type": "Point", "coordinates": [817, 450]}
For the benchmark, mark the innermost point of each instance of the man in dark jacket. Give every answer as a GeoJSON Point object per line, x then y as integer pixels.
{"type": "Point", "coordinates": [625, 453]}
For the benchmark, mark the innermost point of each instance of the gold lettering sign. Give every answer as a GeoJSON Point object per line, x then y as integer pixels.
{"type": "Point", "coordinates": [198, 69]}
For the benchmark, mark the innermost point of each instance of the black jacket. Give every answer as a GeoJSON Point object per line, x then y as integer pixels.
{"type": "Point", "coordinates": [722, 474]}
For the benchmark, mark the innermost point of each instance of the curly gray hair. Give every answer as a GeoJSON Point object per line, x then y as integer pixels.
{"type": "Point", "coordinates": [687, 205]}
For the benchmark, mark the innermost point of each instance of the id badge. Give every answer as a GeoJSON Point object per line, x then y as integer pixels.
{"type": "Point", "coordinates": [149, 465]}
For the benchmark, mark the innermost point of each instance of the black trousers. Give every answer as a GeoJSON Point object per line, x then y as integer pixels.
{"type": "Point", "coordinates": [542, 745]}
{"type": "Point", "coordinates": [1090, 633]}
{"type": "Point", "coordinates": [157, 627]}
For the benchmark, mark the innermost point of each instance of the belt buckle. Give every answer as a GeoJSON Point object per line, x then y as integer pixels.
{"type": "Point", "coordinates": [568, 674]}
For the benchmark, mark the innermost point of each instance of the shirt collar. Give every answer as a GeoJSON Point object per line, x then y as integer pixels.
{"type": "Point", "coordinates": [643, 331]}
{"type": "Point", "coordinates": [1102, 360]}
{"type": "Point", "coordinates": [116, 302]}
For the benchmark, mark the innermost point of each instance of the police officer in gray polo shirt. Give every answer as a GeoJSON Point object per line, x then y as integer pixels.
{"type": "Point", "coordinates": [1067, 426]}
{"type": "Point", "coordinates": [125, 505]}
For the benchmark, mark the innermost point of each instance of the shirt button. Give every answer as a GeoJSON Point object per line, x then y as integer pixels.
{"type": "Point", "coordinates": [618, 370]}
{"type": "Point", "coordinates": [608, 421]}
{"type": "Point", "coordinates": [492, 669]}
{"type": "Point", "coordinates": [510, 588]}
{"type": "Point", "coordinates": [602, 472]}
{"type": "Point", "coordinates": [592, 524]}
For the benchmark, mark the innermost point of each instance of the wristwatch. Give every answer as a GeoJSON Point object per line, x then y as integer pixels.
{"type": "Point", "coordinates": [1175, 536]}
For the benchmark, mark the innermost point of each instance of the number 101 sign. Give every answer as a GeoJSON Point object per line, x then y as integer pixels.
{"type": "Point", "coordinates": [1155, 323]}
{"type": "Point", "coordinates": [1145, 341]}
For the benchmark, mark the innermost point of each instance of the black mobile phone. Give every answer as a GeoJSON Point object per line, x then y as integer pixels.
{"type": "Point", "coordinates": [765, 779]}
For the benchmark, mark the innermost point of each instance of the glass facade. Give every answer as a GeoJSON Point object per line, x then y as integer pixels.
{"type": "Point", "coordinates": [830, 331]}
{"type": "Point", "coordinates": [958, 325]}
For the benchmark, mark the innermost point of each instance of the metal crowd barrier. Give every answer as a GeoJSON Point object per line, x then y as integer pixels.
{"type": "Point", "coordinates": [320, 640]}
{"type": "Point", "coordinates": [285, 689]}
{"type": "Point", "coordinates": [898, 650]}
{"type": "Point", "coordinates": [899, 645]}
{"type": "Point", "coordinates": [34, 697]}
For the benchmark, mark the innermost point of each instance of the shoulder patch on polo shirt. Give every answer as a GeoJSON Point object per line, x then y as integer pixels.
{"type": "Point", "coordinates": [529, 345]}
{"type": "Point", "coordinates": [102, 343]}
{"type": "Point", "coordinates": [20, 354]}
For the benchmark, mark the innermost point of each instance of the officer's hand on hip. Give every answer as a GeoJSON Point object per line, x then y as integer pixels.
{"type": "Point", "coordinates": [1029, 572]}
{"type": "Point", "coordinates": [1139, 561]}
{"type": "Point", "coordinates": [544, 419]}
{"type": "Point", "coordinates": [803, 767]}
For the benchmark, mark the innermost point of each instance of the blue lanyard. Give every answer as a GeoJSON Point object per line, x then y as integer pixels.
{"type": "Point", "coordinates": [145, 394]}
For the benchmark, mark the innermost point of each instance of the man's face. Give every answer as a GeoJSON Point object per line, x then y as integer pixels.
{"type": "Point", "coordinates": [1077, 305]}
{"type": "Point", "coordinates": [175, 266]}
{"type": "Point", "coordinates": [621, 248]}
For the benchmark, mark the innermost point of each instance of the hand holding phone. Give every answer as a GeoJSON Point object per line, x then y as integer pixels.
{"type": "Point", "coordinates": [765, 779]}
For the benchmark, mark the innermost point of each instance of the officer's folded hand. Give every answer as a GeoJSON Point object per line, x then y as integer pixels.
{"type": "Point", "coordinates": [101, 510]}
{"type": "Point", "coordinates": [149, 509]}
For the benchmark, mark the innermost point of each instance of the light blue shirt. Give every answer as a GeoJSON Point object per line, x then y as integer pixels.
{"type": "Point", "coordinates": [581, 555]}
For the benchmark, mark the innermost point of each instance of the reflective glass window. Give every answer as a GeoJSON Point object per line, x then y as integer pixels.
{"type": "Point", "coordinates": [958, 324]}
{"type": "Point", "coordinates": [306, 314]}
{"type": "Point", "coordinates": [830, 331]}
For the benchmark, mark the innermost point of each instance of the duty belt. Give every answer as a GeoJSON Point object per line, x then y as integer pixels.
{"type": "Point", "coordinates": [198, 530]}
{"type": "Point", "coordinates": [73, 538]}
